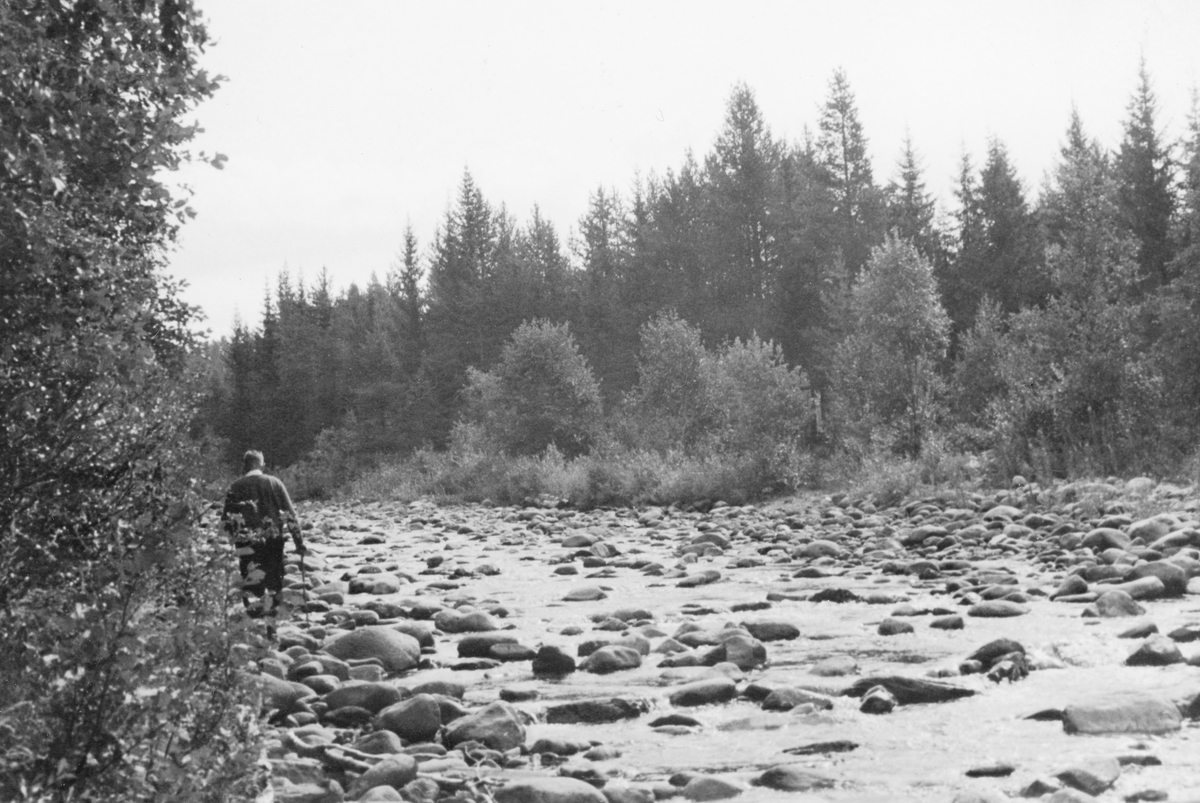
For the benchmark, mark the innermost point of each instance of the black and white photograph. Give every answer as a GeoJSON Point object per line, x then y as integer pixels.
{"type": "Point", "coordinates": [599, 402]}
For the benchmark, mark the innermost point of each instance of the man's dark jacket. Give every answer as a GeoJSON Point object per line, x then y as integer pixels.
{"type": "Point", "coordinates": [274, 506]}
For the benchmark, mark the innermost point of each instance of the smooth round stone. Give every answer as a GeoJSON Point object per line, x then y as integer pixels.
{"type": "Point", "coordinates": [954, 622]}
{"type": "Point", "coordinates": [894, 627]}
{"type": "Point", "coordinates": [997, 608]}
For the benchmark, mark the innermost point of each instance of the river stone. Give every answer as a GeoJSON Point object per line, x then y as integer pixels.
{"type": "Point", "coordinates": [382, 794]}
{"type": "Point", "coordinates": [394, 771]}
{"type": "Point", "coordinates": [1092, 777]}
{"type": "Point", "coordinates": [909, 691]}
{"type": "Point", "coordinates": [1122, 712]}
{"type": "Point", "coordinates": [700, 579]}
{"type": "Point", "coordinates": [994, 649]}
{"type": "Point", "coordinates": [997, 608]}
{"type": "Point", "coordinates": [612, 658]}
{"type": "Point", "coordinates": [585, 594]}
{"type": "Point", "coordinates": [878, 700]}
{"type": "Point", "coordinates": [549, 790]}
{"type": "Point", "coordinates": [379, 743]}
{"type": "Point", "coordinates": [1148, 587]}
{"type": "Point", "coordinates": [1173, 577]}
{"type": "Point", "coordinates": [894, 627]}
{"type": "Point", "coordinates": [417, 719]}
{"type": "Point", "coordinates": [620, 793]}
{"type": "Point", "coordinates": [1103, 538]}
{"type": "Point", "coordinates": [497, 725]}
{"type": "Point", "coordinates": [1156, 651]}
{"type": "Point", "coordinates": [703, 692]}
{"type": "Point", "coordinates": [596, 711]}
{"type": "Point", "coordinates": [452, 620]}
{"type": "Point", "coordinates": [792, 778]}
{"type": "Point", "coordinates": [787, 699]}
{"type": "Point", "coordinates": [1149, 530]}
{"type": "Point", "coordinates": [709, 787]}
{"type": "Point", "coordinates": [396, 651]}
{"type": "Point", "coordinates": [772, 630]}
{"type": "Point", "coordinates": [364, 694]}
{"type": "Point", "coordinates": [553, 661]}
{"type": "Point", "coordinates": [953, 622]}
{"type": "Point", "coordinates": [1114, 604]}
{"type": "Point", "coordinates": [1071, 585]}
{"type": "Point", "coordinates": [283, 695]}
{"type": "Point", "coordinates": [744, 652]}
{"type": "Point", "coordinates": [479, 645]}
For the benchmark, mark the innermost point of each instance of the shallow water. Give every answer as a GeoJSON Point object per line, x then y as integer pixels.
{"type": "Point", "coordinates": [916, 753]}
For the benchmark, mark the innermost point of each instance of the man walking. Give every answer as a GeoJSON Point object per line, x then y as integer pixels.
{"type": "Point", "coordinates": [256, 513]}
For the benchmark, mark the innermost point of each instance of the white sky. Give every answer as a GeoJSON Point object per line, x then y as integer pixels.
{"type": "Point", "coordinates": [344, 120]}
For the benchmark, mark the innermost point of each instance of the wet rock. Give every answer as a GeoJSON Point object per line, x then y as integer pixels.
{"type": "Point", "coordinates": [787, 699]}
{"type": "Point", "coordinates": [1122, 712]}
{"type": "Point", "coordinates": [990, 652]}
{"type": "Point", "coordinates": [416, 719]}
{"type": "Point", "coordinates": [947, 623]}
{"type": "Point", "coordinates": [744, 652]}
{"type": "Point", "coordinates": [497, 725]}
{"type": "Point", "coordinates": [549, 790]}
{"type": "Point", "coordinates": [791, 778]}
{"type": "Point", "coordinates": [396, 652]}
{"type": "Point", "coordinates": [894, 627]}
{"type": "Point", "coordinates": [681, 720]}
{"type": "Point", "coordinates": [479, 645]}
{"type": "Point", "coordinates": [1092, 777]}
{"type": "Point", "coordinates": [597, 711]}
{"type": "Point", "coordinates": [878, 700]}
{"type": "Point", "coordinates": [1156, 651]}
{"type": "Point", "coordinates": [612, 658]}
{"type": "Point", "coordinates": [1103, 538]}
{"type": "Point", "coordinates": [704, 692]}
{"type": "Point", "coordinates": [1000, 770]}
{"type": "Point", "coordinates": [910, 691]}
{"type": "Point", "coordinates": [1148, 587]}
{"type": "Point", "coordinates": [552, 661]}
{"type": "Point", "coordinates": [1139, 630]}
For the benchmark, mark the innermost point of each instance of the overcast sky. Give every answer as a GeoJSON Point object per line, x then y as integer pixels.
{"type": "Point", "coordinates": [345, 120]}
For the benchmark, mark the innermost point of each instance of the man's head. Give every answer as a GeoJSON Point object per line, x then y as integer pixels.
{"type": "Point", "coordinates": [252, 460]}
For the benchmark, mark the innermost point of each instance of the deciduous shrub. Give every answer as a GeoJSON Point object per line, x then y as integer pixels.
{"type": "Point", "coordinates": [541, 393]}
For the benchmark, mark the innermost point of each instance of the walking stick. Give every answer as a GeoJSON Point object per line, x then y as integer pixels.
{"type": "Point", "coordinates": [304, 587]}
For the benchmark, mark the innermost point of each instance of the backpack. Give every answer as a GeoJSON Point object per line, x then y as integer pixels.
{"type": "Point", "coordinates": [243, 516]}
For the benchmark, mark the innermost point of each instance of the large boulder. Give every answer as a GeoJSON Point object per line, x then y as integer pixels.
{"type": "Point", "coordinates": [394, 771]}
{"type": "Point", "coordinates": [1174, 578]}
{"type": "Point", "coordinates": [416, 719]}
{"type": "Point", "coordinates": [398, 652]}
{"type": "Point", "coordinates": [1122, 712]}
{"type": "Point", "coordinates": [497, 725]}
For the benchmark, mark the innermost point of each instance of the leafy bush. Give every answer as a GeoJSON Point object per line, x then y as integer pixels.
{"type": "Point", "coordinates": [671, 405]}
{"type": "Point", "coordinates": [885, 376]}
{"type": "Point", "coordinates": [540, 394]}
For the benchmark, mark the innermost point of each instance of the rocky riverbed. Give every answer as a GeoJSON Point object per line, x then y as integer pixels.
{"type": "Point", "coordinates": [965, 647]}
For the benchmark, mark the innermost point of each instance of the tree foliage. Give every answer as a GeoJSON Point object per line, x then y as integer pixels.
{"type": "Point", "coordinates": [101, 697]}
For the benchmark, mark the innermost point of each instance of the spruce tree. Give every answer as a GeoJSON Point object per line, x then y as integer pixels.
{"type": "Point", "coordinates": [1146, 174]}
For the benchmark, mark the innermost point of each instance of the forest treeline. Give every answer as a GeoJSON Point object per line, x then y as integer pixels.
{"type": "Point", "coordinates": [1053, 331]}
